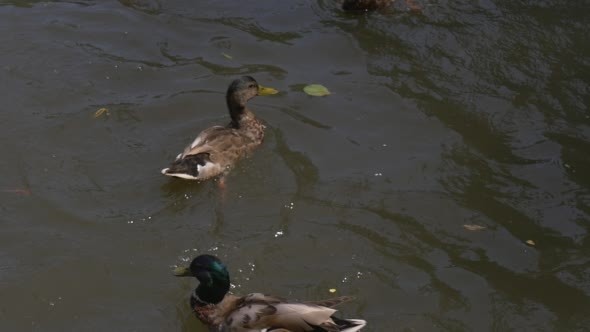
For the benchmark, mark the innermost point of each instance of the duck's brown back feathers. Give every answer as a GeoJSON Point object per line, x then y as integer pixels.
{"type": "Point", "coordinates": [257, 311]}
{"type": "Point", "coordinates": [217, 149]}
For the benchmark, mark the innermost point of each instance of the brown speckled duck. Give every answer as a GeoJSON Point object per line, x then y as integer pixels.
{"type": "Point", "coordinates": [216, 149]}
{"type": "Point", "coordinates": [366, 4]}
{"type": "Point", "coordinates": [257, 312]}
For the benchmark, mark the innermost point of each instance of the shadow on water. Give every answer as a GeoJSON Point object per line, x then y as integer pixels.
{"type": "Point", "coordinates": [218, 69]}
{"type": "Point", "coordinates": [253, 28]}
{"type": "Point", "coordinates": [304, 119]}
{"type": "Point", "coordinates": [150, 7]}
{"type": "Point", "coordinates": [304, 171]}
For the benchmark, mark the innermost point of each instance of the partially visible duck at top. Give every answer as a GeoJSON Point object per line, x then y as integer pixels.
{"type": "Point", "coordinates": [218, 148]}
{"type": "Point", "coordinates": [366, 5]}
{"type": "Point", "coordinates": [257, 312]}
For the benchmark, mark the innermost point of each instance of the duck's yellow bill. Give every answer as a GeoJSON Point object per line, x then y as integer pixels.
{"type": "Point", "coordinates": [266, 91]}
{"type": "Point", "coordinates": [182, 271]}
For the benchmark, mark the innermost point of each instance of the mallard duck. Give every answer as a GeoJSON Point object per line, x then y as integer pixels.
{"type": "Point", "coordinates": [217, 148]}
{"type": "Point", "coordinates": [256, 312]}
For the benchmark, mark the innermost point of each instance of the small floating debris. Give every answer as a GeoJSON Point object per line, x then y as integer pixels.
{"type": "Point", "coordinates": [530, 243]}
{"type": "Point", "coordinates": [101, 112]}
{"type": "Point", "coordinates": [227, 56]}
{"type": "Point", "coordinates": [474, 228]}
{"type": "Point", "coordinates": [332, 290]}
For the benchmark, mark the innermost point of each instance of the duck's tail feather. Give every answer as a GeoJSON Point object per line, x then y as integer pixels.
{"type": "Point", "coordinates": [187, 167]}
{"type": "Point", "coordinates": [349, 325]}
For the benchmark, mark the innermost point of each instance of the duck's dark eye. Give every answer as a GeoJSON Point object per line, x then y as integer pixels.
{"type": "Point", "coordinates": [251, 85]}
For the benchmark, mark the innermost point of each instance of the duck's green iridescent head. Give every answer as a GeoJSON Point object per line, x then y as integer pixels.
{"type": "Point", "coordinates": [212, 275]}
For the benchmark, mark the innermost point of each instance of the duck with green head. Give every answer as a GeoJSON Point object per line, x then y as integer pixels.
{"type": "Point", "coordinates": [218, 148]}
{"type": "Point", "coordinates": [257, 312]}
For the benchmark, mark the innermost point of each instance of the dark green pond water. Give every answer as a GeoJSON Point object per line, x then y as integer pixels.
{"type": "Point", "coordinates": [471, 113]}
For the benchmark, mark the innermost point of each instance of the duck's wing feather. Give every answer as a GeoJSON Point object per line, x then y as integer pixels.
{"type": "Point", "coordinates": [213, 151]}
{"type": "Point", "coordinates": [208, 139]}
{"type": "Point", "coordinates": [257, 312]}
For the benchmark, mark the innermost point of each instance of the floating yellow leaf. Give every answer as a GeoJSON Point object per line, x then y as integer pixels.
{"type": "Point", "coordinates": [332, 290]}
{"type": "Point", "coordinates": [474, 227]}
{"type": "Point", "coordinates": [227, 56]}
{"type": "Point", "coordinates": [100, 112]}
{"type": "Point", "coordinates": [530, 242]}
{"type": "Point", "coordinates": [317, 90]}
{"type": "Point", "coordinates": [266, 91]}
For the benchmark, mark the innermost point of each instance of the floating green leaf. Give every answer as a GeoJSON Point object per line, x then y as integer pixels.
{"type": "Point", "coordinates": [317, 90]}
